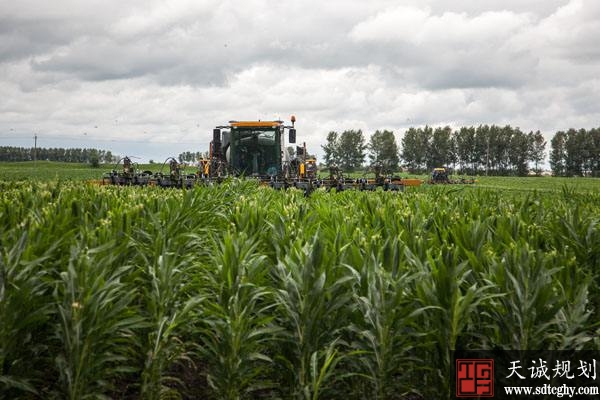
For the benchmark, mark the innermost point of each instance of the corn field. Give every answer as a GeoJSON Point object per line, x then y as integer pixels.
{"type": "Point", "coordinates": [241, 292]}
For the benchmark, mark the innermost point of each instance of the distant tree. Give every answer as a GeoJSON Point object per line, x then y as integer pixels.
{"type": "Point", "coordinates": [410, 150]}
{"type": "Point", "coordinates": [332, 149]}
{"type": "Point", "coordinates": [586, 145]}
{"type": "Point", "coordinates": [500, 149]}
{"type": "Point", "coordinates": [94, 158]}
{"type": "Point", "coordinates": [10, 153]}
{"type": "Point", "coordinates": [352, 149]}
{"type": "Point", "coordinates": [574, 152]}
{"type": "Point", "coordinates": [538, 150]}
{"type": "Point", "coordinates": [189, 156]}
{"type": "Point", "coordinates": [558, 153]}
{"type": "Point", "coordinates": [595, 149]}
{"type": "Point", "coordinates": [481, 153]}
{"type": "Point", "coordinates": [415, 148]}
{"type": "Point", "coordinates": [519, 151]}
{"type": "Point", "coordinates": [94, 161]}
{"type": "Point", "coordinates": [464, 140]}
{"type": "Point", "coordinates": [383, 149]}
{"type": "Point", "coordinates": [440, 148]}
{"type": "Point", "coordinates": [109, 157]}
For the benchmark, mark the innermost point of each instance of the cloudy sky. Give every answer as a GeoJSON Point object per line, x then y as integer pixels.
{"type": "Point", "coordinates": [152, 78]}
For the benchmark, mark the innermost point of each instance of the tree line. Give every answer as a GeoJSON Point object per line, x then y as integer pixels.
{"type": "Point", "coordinates": [473, 150]}
{"type": "Point", "coordinates": [489, 149]}
{"type": "Point", "coordinates": [92, 156]}
{"type": "Point", "coordinates": [191, 156]}
{"type": "Point", "coordinates": [349, 149]}
{"type": "Point", "coordinates": [576, 153]}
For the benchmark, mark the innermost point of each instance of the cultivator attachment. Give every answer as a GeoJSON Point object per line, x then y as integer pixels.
{"type": "Point", "coordinates": [214, 172]}
{"type": "Point", "coordinates": [130, 175]}
{"type": "Point", "coordinates": [338, 182]}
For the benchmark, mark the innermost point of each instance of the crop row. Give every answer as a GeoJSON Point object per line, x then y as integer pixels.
{"type": "Point", "coordinates": [237, 291]}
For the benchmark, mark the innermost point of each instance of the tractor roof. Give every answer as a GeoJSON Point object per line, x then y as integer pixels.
{"type": "Point", "coordinates": [255, 124]}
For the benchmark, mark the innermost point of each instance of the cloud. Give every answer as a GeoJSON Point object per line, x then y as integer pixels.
{"type": "Point", "coordinates": [451, 49]}
{"type": "Point", "coordinates": [570, 33]}
{"type": "Point", "coordinates": [418, 26]}
{"type": "Point", "coordinates": [167, 72]}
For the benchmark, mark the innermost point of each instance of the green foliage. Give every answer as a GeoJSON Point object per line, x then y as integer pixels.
{"type": "Point", "coordinates": [94, 161]}
{"type": "Point", "coordinates": [48, 170]}
{"type": "Point", "coordinates": [96, 322]}
{"type": "Point", "coordinates": [441, 149]}
{"type": "Point", "coordinates": [537, 150]}
{"type": "Point", "coordinates": [576, 152]}
{"type": "Point", "coordinates": [164, 278]}
{"type": "Point", "coordinates": [491, 149]}
{"type": "Point", "coordinates": [415, 145]}
{"type": "Point", "coordinates": [191, 156]}
{"type": "Point", "coordinates": [236, 321]}
{"type": "Point", "coordinates": [239, 291]}
{"type": "Point", "coordinates": [311, 299]}
{"type": "Point", "coordinates": [346, 150]}
{"type": "Point", "coordinates": [331, 149]}
{"type": "Point", "coordinates": [78, 155]}
{"type": "Point", "coordinates": [384, 150]}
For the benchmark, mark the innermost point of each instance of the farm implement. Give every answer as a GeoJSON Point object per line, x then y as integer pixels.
{"type": "Point", "coordinates": [254, 150]}
{"type": "Point", "coordinates": [131, 175]}
{"type": "Point", "coordinates": [257, 150]}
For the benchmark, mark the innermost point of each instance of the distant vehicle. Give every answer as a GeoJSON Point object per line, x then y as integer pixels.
{"type": "Point", "coordinates": [441, 175]}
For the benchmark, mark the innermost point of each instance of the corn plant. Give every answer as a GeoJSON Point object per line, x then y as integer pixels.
{"type": "Point", "coordinates": [384, 324]}
{"type": "Point", "coordinates": [236, 323]}
{"type": "Point", "coordinates": [455, 301]}
{"type": "Point", "coordinates": [24, 312]}
{"type": "Point", "coordinates": [534, 312]}
{"type": "Point", "coordinates": [237, 291]}
{"type": "Point", "coordinates": [95, 324]}
{"type": "Point", "coordinates": [311, 300]}
{"type": "Point", "coordinates": [165, 307]}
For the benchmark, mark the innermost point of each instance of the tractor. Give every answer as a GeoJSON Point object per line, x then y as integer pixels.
{"type": "Point", "coordinates": [256, 150]}
{"type": "Point", "coordinates": [442, 175]}
{"type": "Point", "coordinates": [249, 148]}
{"type": "Point", "coordinates": [439, 175]}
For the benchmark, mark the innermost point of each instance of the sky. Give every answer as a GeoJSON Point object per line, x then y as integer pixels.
{"type": "Point", "coordinates": [151, 79]}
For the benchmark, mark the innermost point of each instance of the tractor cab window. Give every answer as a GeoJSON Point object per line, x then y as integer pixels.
{"type": "Point", "coordinates": [255, 152]}
{"type": "Point", "coordinates": [267, 136]}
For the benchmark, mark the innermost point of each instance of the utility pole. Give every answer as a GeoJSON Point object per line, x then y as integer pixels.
{"type": "Point", "coordinates": [35, 149]}
{"type": "Point", "coordinates": [487, 156]}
